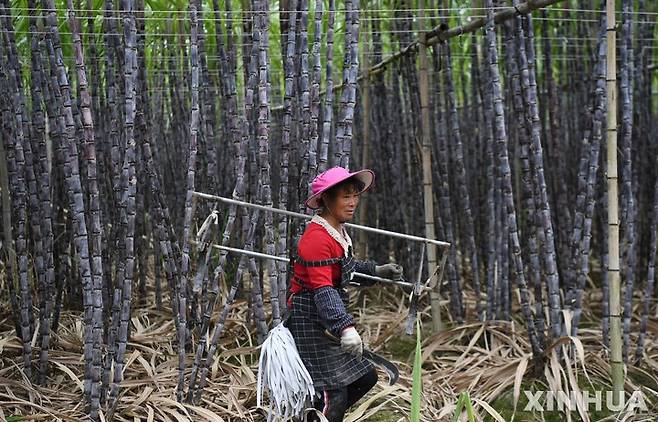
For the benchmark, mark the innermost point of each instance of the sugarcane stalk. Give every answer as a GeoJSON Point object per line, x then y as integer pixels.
{"type": "Point", "coordinates": [251, 91]}
{"type": "Point", "coordinates": [345, 136]}
{"type": "Point", "coordinates": [304, 98]}
{"type": "Point", "coordinates": [66, 125]}
{"type": "Point", "coordinates": [15, 139]}
{"type": "Point", "coordinates": [264, 155]}
{"type": "Point", "coordinates": [129, 181]}
{"type": "Point", "coordinates": [61, 239]}
{"type": "Point", "coordinates": [251, 223]}
{"type": "Point", "coordinates": [157, 268]}
{"type": "Point", "coordinates": [529, 88]}
{"type": "Point", "coordinates": [502, 299]}
{"type": "Point", "coordinates": [112, 86]}
{"type": "Point", "coordinates": [488, 139]}
{"type": "Point", "coordinates": [8, 253]}
{"type": "Point", "coordinates": [195, 390]}
{"type": "Point", "coordinates": [447, 217]}
{"type": "Point", "coordinates": [503, 160]}
{"type": "Point", "coordinates": [555, 143]}
{"type": "Point", "coordinates": [205, 236]}
{"type": "Point", "coordinates": [328, 98]}
{"type": "Point", "coordinates": [532, 234]}
{"type": "Point", "coordinates": [362, 248]}
{"type": "Point", "coordinates": [208, 111]}
{"type": "Point", "coordinates": [44, 182]}
{"type": "Point", "coordinates": [191, 176]}
{"type": "Point", "coordinates": [651, 275]}
{"type": "Point", "coordinates": [143, 116]}
{"type": "Point", "coordinates": [316, 79]}
{"type": "Point", "coordinates": [29, 170]}
{"type": "Point", "coordinates": [289, 86]}
{"type": "Point", "coordinates": [96, 317]}
{"type": "Point", "coordinates": [462, 183]}
{"type": "Point", "coordinates": [582, 253]}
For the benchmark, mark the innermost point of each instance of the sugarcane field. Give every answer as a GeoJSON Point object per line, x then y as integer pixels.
{"type": "Point", "coordinates": [328, 211]}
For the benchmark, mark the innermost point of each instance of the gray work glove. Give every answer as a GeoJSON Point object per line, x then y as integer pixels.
{"type": "Point", "coordinates": [350, 342]}
{"type": "Point", "coordinates": [390, 271]}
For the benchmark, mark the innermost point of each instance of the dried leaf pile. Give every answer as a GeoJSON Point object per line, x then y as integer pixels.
{"type": "Point", "coordinates": [490, 361]}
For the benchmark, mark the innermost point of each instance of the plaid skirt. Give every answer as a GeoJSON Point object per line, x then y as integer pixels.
{"type": "Point", "coordinates": [329, 366]}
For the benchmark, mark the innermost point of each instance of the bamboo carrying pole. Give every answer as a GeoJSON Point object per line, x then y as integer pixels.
{"type": "Point", "coordinates": [308, 217]}
{"type": "Point", "coordinates": [616, 362]}
{"type": "Point", "coordinates": [261, 255]}
{"type": "Point", "coordinates": [432, 284]}
{"type": "Point", "coordinates": [426, 153]}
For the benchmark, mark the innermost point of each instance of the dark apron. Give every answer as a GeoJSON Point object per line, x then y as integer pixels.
{"type": "Point", "coordinates": [329, 366]}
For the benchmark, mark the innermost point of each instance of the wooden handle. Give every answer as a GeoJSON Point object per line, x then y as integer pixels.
{"type": "Point", "coordinates": [331, 336]}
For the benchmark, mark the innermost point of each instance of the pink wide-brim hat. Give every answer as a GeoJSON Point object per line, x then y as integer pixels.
{"type": "Point", "coordinates": [334, 176]}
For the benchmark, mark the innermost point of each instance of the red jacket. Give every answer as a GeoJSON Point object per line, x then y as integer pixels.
{"type": "Point", "coordinates": [315, 245]}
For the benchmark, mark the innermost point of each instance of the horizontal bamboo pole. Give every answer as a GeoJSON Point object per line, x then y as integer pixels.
{"type": "Point", "coordinates": [308, 217]}
{"type": "Point", "coordinates": [442, 33]}
{"type": "Point", "coordinates": [261, 255]}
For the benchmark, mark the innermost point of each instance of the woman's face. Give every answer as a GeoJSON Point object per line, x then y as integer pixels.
{"type": "Point", "coordinates": [342, 204]}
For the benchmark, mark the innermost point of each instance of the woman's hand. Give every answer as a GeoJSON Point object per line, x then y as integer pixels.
{"type": "Point", "coordinates": [350, 341]}
{"type": "Point", "coordinates": [390, 271]}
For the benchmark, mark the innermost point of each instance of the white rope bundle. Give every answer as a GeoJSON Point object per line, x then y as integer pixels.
{"type": "Point", "coordinates": [282, 373]}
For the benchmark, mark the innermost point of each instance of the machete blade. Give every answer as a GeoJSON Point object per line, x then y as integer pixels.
{"type": "Point", "coordinates": [388, 366]}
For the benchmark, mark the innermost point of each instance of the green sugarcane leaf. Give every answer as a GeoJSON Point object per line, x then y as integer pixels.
{"type": "Point", "coordinates": [416, 389]}
{"type": "Point", "coordinates": [469, 407]}
{"type": "Point", "coordinates": [464, 403]}
{"type": "Point", "coordinates": [458, 408]}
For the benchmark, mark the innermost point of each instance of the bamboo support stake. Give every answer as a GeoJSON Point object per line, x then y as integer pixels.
{"type": "Point", "coordinates": [616, 362]}
{"type": "Point", "coordinates": [365, 138]}
{"type": "Point", "coordinates": [426, 151]}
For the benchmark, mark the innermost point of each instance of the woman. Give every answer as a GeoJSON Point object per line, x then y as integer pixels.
{"type": "Point", "coordinates": [318, 301]}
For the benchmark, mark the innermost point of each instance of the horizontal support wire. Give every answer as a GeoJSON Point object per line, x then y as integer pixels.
{"type": "Point", "coordinates": [277, 11]}
{"type": "Point", "coordinates": [99, 11]}
{"type": "Point", "coordinates": [453, 32]}
{"type": "Point", "coordinates": [179, 44]}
